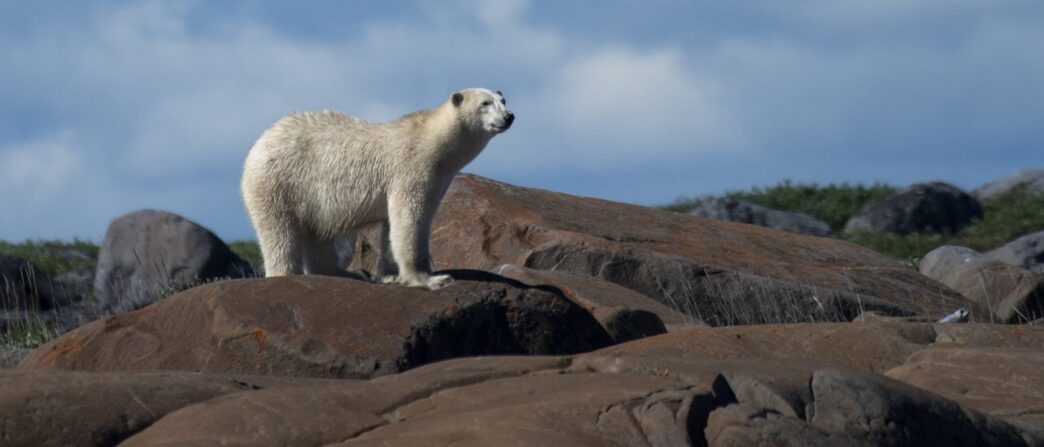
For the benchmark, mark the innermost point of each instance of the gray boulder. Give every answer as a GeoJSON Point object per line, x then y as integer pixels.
{"type": "Point", "coordinates": [23, 286]}
{"type": "Point", "coordinates": [148, 253]}
{"type": "Point", "coordinates": [735, 210]}
{"type": "Point", "coordinates": [925, 207]}
{"type": "Point", "coordinates": [1031, 179]}
{"type": "Point", "coordinates": [1012, 293]}
{"type": "Point", "coordinates": [1026, 252]}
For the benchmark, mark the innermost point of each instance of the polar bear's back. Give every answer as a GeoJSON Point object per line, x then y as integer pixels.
{"type": "Point", "coordinates": [326, 169]}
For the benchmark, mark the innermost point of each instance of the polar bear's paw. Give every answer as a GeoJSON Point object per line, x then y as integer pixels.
{"type": "Point", "coordinates": [429, 282]}
{"type": "Point", "coordinates": [439, 281]}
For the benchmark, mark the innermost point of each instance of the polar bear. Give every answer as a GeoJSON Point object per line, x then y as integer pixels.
{"type": "Point", "coordinates": [316, 176]}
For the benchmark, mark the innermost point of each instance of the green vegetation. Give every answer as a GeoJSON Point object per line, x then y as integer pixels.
{"type": "Point", "coordinates": [249, 251]}
{"type": "Point", "coordinates": [25, 333]}
{"type": "Point", "coordinates": [832, 203]}
{"type": "Point", "coordinates": [53, 257]}
{"type": "Point", "coordinates": [1008, 216]}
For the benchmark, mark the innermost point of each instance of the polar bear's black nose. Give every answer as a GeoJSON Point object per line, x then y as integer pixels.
{"type": "Point", "coordinates": [510, 118]}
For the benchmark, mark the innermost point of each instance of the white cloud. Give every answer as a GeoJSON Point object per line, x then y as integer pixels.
{"type": "Point", "coordinates": [646, 101]}
{"type": "Point", "coordinates": [140, 101]}
{"type": "Point", "coordinates": [39, 169]}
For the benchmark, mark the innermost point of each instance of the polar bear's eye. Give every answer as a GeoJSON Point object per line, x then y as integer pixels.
{"type": "Point", "coordinates": [487, 102]}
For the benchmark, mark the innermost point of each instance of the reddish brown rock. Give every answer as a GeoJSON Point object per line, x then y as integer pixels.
{"type": "Point", "coordinates": [1005, 382]}
{"type": "Point", "coordinates": [62, 408]}
{"type": "Point", "coordinates": [625, 314]}
{"type": "Point", "coordinates": [872, 347]}
{"type": "Point", "coordinates": [315, 326]}
{"type": "Point", "coordinates": [720, 272]}
{"type": "Point", "coordinates": [683, 388]}
{"type": "Point", "coordinates": [1012, 293]}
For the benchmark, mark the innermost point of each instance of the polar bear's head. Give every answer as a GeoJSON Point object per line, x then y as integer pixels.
{"type": "Point", "coordinates": [483, 110]}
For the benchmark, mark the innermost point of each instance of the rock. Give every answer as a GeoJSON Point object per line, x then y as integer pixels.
{"type": "Point", "coordinates": [1013, 293]}
{"type": "Point", "coordinates": [1004, 382]}
{"type": "Point", "coordinates": [23, 286]}
{"type": "Point", "coordinates": [1026, 252]}
{"type": "Point", "coordinates": [718, 272]}
{"type": "Point", "coordinates": [922, 208]}
{"type": "Point", "coordinates": [878, 411]}
{"type": "Point", "coordinates": [665, 390]}
{"type": "Point", "coordinates": [317, 326]}
{"type": "Point", "coordinates": [1031, 179]}
{"type": "Point", "coordinates": [646, 392]}
{"type": "Point", "coordinates": [735, 210]}
{"type": "Point", "coordinates": [870, 347]}
{"type": "Point", "coordinates": [149, 253]}
{"type": "Point", "coordinates": [61, 408]}
{"type": "Point", "coordinates": [625, 314]}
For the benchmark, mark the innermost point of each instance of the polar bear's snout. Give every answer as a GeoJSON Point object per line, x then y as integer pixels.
{"type": "Point", "coordinates": [508, 119]}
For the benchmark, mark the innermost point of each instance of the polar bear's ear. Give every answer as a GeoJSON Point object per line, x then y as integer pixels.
{"type": "Point", "coordinates": [457, 98]}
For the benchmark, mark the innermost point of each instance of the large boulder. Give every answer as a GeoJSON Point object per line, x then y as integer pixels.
{"type": "Point", "coordinates": [23, 286]}
{"type": "Point", "coordinates": [318, 326]}
{"type": "Point", "coordinates": [625, 314]}
{"type": "Point", "coordinates": [1026, 252]}
{"type": "Point", "coordinates": [647, 392]}
{"type": "Point", "coordinates": [922, 208]}
{"type": "Point", "coordinates": [1031, 179]}
{"type": "Point", "coordinates": [61, 408]}
{"type": "Point", "coordinates": [718, 272]}
{"type": "Point", "coordinates": [735, 210]}
{"type": "Point", "coordinates": [666, 390]}
{"type": "Point", "coordinates": [148, 254]}
{"type": "Point", "coordinates": [1012, 293]}
{"type": "Point", "coordinates": [1007, 382]}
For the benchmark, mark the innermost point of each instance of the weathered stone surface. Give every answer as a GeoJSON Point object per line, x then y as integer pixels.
{"type": "Point", "coordinates": [1012, 293]}
{"type": "Point", "coordinates": [1026, 252]}
{"type": "Point", "coordinates": [641, 393]}
{"type": "Point", "coordinates": [315, 326]}
{"type": "Point", "coordinates": [325, 414]}
{"type": "Point", "coordinates": [871, 347]}
{"type": "Point", "coordinates": [1004, 382]}
{"type": "Point", "coordinates": [61, 408]}
{"type": "Point", "coordinates": [625, 314]}
{"type": "Point", "coordinates": [719, 272]}
{"type": "Point", "coordinates": [1030, 179]}
{"type": "Point", "coordinates": [705, 386]}
{"type": "Point", "coordinates": [23, 286]}
{"type": "Point", "coordinates": [735, 210]}
{"type": "Point", "coordinates": [148, 253]}
{"type": "Point", "coordinates": [934, 207]}
{"type": "Point", "coordinates": [883, 412]}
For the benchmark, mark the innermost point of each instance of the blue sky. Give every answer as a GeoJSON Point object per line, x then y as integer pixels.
{"type": "Point", "coordinates": [108, 106]}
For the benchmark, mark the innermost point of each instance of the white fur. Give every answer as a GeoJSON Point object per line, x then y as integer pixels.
{"type": "Point", "coordinates": [315, 176]}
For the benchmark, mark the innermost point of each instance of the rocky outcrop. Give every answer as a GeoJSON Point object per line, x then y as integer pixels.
{"type": "Point", "coordinates": [994, 380]}
{"type": "Point", "coordinates": [625, 314]}
{"type": "Point", "coordinates": [1031, 180]}
{"type": "Point", "coordinates": [922, 208]}
{"type": "Point", "coordinates": [62, 408]}
{"type": "Point", "coordinates": [1026, 252]}
{"type": "Point", "coordinates": [1012, 293]}
{"type": "Point", "coordinates": [718, 272]}
{"type": "Point", "coordinates": [316, 326]}
{"type": "Point", "coordinates": [814, 384]}
{"type": "Point", "coordinates": [148, 254]}
{"type": "Point", "coordinates": [735, 210]}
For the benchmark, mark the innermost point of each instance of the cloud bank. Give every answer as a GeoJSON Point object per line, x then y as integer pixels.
{"type": "Point", "coordinates": [154, 105]}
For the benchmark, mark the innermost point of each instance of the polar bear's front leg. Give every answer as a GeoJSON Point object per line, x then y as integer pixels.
{"type": "Point", "coordinates": [409, 227]}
